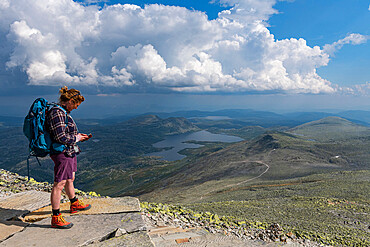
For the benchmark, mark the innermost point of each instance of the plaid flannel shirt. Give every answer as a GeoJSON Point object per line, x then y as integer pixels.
{"type": "Point", "coordinates": [61, 132]}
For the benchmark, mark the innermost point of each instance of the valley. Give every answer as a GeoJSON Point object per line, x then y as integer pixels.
{"type": "Point", "coordinates": [312, 178]}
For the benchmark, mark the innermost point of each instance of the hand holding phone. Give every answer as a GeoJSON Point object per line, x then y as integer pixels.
{"type": "Point", "coordinates": [87, 137]}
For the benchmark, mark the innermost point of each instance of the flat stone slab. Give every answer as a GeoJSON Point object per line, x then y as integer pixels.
{"type": "Point", "coordinates": [87, 229]}
{"type": "Point", "coordinates": [181, 236]}
{"type": "Point", "coordinates": [19, 204]}
{"type": "Point", "coordinates": [8, 228]}
{"type": "Point", "coordinates": [98, 206]}
{"type": "Point", "coordinates": [165, 230]}
{"type": "Point", "coordinates": [207, 240]}
{"type": "Point", "coordinates": [202, 238]}
{"type": "Point", "coordinates": [136, 239]}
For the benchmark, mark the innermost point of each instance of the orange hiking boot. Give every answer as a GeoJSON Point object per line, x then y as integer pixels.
{"type": "Point", "coordinates": [78, 205]}
{"type": "Point", "coordinates": [57, 221]}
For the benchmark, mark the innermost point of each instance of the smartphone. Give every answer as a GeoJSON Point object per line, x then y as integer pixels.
{"type": "Point", "coordinates": [89, 136]}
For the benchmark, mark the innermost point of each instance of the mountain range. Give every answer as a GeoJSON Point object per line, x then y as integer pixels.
{"type": "Point", "coordinates": [306, 175]}
{"type": "Point", "coordinates": [326, 145]}
{"type": "Point", "coordinates": [236, 117]}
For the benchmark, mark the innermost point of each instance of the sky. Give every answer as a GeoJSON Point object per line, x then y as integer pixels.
{"type": "Point", "coordinates": [135, 56]}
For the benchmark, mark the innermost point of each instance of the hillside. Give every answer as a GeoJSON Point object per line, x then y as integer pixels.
{"type": "Point", "coordinates": [304, 185]}
{"type": "Point", "coordinates": [283, 155]}
{"type": "Point", "coordinates": [363, 116]}
{"type": "Point", "coordinates": [330, 129]}
{"type": "Point", "coordinates": [314, 187]}
{"type": "Point", "coordinates": [274, 176]}
{"type": "Point", "coordinates": [112, 146]}
{"type": "Point", "coordinates": [122, 221]}
{"type": "Point", "coordinates": [339, 145]}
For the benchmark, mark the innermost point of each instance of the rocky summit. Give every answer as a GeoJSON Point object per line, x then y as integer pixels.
{"type": "Point", "coordinates": [25, 216]}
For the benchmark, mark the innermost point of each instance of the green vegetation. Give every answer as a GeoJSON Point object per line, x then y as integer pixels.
{"type": "Point", "coordinates": [313, 188]}
{"type": "Point", "coordinates": [247, 133]}
{"type": "Point", "coordinates": [331, 208]}
{"type": "Point", "coordinates": [113, 148]}
{"type": "Point", "coordinates": [214, 223]}
{"type": "Point", "coordinates": [116, 144]}
{"type": "Point", "coordinates": [126, 179]}
{"type": "Point", "coordinates": [330, 129]}
{"type": "Point", "coordinates": [313, 179]}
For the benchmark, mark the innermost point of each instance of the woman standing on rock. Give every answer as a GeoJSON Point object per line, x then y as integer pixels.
{"type": "Point", "coordinates": [63, 130]}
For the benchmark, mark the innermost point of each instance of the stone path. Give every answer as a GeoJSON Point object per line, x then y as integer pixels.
{"type": "Point", "coordinates": [14, 207]}
{"type": "Point", "coordinates": [176, 237]}
{"type": "Point", "coordinates": [87, 229]}
{"type": "Point", "coordinates": [22, 203]}
{"type": "Point", "coordinates": [99, 206]}
{"type": "Point", "coordinates": [109, 222]}
{"type": "Point", "coordinates": [136, 239]}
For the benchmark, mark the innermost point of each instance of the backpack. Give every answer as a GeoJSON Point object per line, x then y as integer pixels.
{"type": "Point", "coordinates": [34, 128]}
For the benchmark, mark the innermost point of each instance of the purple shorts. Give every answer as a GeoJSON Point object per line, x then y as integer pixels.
{"type": "Point", "coordinates": [64, 166]}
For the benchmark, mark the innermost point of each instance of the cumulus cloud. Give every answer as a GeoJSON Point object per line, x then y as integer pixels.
{"type": "Point", "coordinates": [353, 38]}
{"type": "Point", "coordinates": [4, 4]}
{"type": "Point", "coordinates": [363, 89]}
{"type": "Point", "coordinates": [161, 47]}
{"type": "Point", "coordinates": [87, 2]}
{"type": "Point", "coordinates": [358, 90]}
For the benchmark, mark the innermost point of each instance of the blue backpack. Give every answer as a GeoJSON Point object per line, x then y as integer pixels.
{"type": "Point", "coordinates": [34, 128]}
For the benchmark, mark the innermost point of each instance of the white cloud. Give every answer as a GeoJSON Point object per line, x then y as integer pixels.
{"type": "Point", "coordinates": [87, 2]}
{"type": "Point", "coordinates": [358, 90]}
{"type": "Point", "coordinates": [166, 47]}
{"type": "Point", "coordinates": [120, 77]}
{"type": "Point", "coordinates": [363, 89]}
{"type": "Point", "coordinates": [34, 53]}
{"type": "Point", "coordinates": [108, 95]}
{"type": "Point", "coordinates": [249, 10]}
{"type": "Point", "coordinates": [4, 4]}
{"type": "Point", "coordinates": [353, 39]}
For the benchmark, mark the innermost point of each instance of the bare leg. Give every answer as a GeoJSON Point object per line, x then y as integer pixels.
{"type": "Point", "coordinates": [70, 189]}
{"type": "Point", "coordinates": [56, 194]}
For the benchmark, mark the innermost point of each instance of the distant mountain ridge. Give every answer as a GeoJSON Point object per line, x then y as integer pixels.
{"type": "Point", "coordinates": [356, 115]}
{"type": "Point", "coordinates": [168, 126]}
{"type": "Point", "coordinates": [328, 144]}
{"type": "Point", "coordinates": [122, 145]}
{"type": "Point", "coordinates": [111, 144]}
{"type": "Point", "coordinates": [238, 118]}
{"type": "Point", "coordinates": [305, 162]}
{"type": "Point", "coordinates": [331, 128]}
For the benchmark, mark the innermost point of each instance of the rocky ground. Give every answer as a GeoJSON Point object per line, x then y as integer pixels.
{"type": "Point", "coordinates": [160, 215]}
{"type": "Point", "coordinates": [169, 215]}
{"type": "Point", "coordinates": [11, 183]}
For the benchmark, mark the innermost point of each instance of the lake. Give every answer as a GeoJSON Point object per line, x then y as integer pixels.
{"type": "Point", "coordinates": [177, 143]}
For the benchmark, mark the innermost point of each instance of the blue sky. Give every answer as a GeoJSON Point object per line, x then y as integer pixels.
{"type": "Point", "coordinates": [137, 56]}
{"type": "Point", "coordinates": [324, 23]}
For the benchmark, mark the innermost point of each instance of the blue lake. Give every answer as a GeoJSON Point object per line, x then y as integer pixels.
{"type": "Point", "coordinates": [177, 143]}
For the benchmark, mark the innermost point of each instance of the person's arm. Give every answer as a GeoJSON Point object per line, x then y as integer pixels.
{"type": "Point", "coordinates": [57, 123]}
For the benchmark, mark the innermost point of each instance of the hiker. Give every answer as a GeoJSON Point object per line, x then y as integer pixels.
{"type": "Point", "coordinates": [65, 131]}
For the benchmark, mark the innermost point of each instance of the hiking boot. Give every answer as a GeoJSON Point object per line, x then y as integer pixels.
{"type": "Point", "coordinates": [78, 205]}
{"type": "Point", "coordinates": [57, 221]}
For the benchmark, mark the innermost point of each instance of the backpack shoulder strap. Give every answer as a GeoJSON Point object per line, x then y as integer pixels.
{"type": "Point", "coordinates": [52, 105]}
